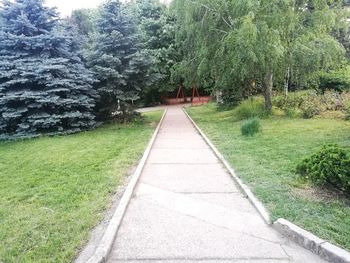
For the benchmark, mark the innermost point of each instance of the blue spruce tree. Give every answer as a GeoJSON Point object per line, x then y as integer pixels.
{"type": "Point", "coordinates": [44, 86]}
{"type": "Point", "coordinates": [119, 61]}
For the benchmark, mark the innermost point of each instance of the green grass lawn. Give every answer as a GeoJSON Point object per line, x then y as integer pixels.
{"type": "Point", "coordinates": [267, 164]}
{"type": "Point", "coordinates": [54, 190]}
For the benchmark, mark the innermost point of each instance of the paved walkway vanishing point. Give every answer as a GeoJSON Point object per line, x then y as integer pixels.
{"type": "Point", "coordinates": [187, 208]}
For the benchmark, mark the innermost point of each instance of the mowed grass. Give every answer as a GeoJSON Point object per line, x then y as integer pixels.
{"type": "Point", "coordinates": [54, 190]}
{"type": "Point", "coordinates": [267, 164]}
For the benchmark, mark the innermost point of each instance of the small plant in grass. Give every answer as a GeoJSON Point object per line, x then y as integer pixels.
{"type": "Point", "coordinates": [330, 165]}
{"type": "Point", "coordinates": [250, 127]}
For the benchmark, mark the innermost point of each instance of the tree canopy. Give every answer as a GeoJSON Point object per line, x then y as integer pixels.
{"type": "Point", "coordinates": [244, 45]}
{"type": "Point", "coordinates": [60, 75]}
{"type": "Point", "coordinates": [118, 59]}
{"type": "Point", "coordinates": [44, 85]}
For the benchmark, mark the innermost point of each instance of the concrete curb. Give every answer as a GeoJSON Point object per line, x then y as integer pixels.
{"type": "Point", "coordinates": [311, 242]}
{"type": "Point", "coordinates": [245, 189]}
{"type": "Point", "coordinates": [106, 243]}
{"type": "Point", "coordinates": [300, 236]}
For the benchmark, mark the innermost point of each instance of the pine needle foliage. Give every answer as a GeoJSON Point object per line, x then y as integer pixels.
{"type": "Point", "coordinates": [44, 86]}
{"type": "Point", "coordinates": [118, 61]}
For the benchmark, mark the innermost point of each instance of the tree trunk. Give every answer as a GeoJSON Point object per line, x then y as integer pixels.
{"type": "Point", "coordinates": [286, 84]}
{"type": "Point", "coordinates": [267, 91]}
{"type": "Point", "coordinates": [290, 79]}
{"type": "Point", "coordinates": [125, 118]}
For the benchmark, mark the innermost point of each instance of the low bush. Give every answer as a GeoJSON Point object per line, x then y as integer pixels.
{"type": "Point", "coordinates": [293, 101]}
{"type": "Point", "coordinates": [347, 111]}
{"type": "Point", "coordinates": [250, 127]}
{"type": "Point", "coordinates": [311, 107]}
{"type": "Point", "coordinates": [345, 98]}
{"type": "Point", "coordinates": [332, 100]}
{"type": "Point", "coordinates": [330, 165]}
{"type": "Point", "coordinates": [309, 104]}
{"type": "Point", "coordinates": [251, 108]}
{"type": "Point", "coordinates": [306, 103]}
{"type": "Point", "coordinates": [338, 80]}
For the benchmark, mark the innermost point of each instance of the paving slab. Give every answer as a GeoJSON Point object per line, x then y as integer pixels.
{"type": "Point", "coordinates": [186, 208]}
{"type": "Point", "coordinates": [189, 178]}
{"type": "Point", "coordinates": [162, 233]}
{"type": "Point", "coordinates": [184, 144]}
{"type": "Point", "coordinates": [181, 138]}
{"type": "Point", "coordinates": [182, 156]}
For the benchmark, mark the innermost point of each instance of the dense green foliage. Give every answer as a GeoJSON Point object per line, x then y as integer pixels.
{"type": "Point", "coordinates": [118, 60]}
{"type": "Point", "coordinates": [44, 86]}
{"type": "Point", "coordinates": [143, 49]}
{"type": "Point", "coordinates": [267, 162]}
{"type": "Point", "coordinates": [338, 80]}
{"type": "Point", "coordinates": [54, 190]}
{"type": "Point", "coordinates": [157, 27]}
{"type": "Point", "coordinates": [253, 46]}
{"type": "Point", "coordinates": [328, 166]}
{"type": "Point", "coordinates": [250, 127]}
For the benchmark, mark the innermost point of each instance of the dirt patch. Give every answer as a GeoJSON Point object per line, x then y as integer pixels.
{"type": "Point", "coordinates": [321, 194]}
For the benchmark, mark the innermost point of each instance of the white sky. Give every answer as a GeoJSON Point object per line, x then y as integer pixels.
{"type": "Point", "coordinates": [65, 7]}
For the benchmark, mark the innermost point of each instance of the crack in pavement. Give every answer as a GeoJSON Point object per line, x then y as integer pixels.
{"type": "Point", "coordinates": [209, 222]}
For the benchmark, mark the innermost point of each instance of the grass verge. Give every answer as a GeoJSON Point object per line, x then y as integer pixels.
{"type": "Point", "coordinates": [54, 190]}
{"type": "Point", "coordinates": [267, 164]}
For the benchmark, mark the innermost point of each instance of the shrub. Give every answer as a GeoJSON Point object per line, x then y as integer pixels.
{"type": "Point", "coordinates": [345, 98]}
{"type": "Point", "coordinates": [331, 100]}
{"type": "Point", "coordinates": [311, 107]}
{"type": "Point", "coordinates": [309, 103]}
{"type": "Point", "coordinates": [302, 101]}
{"type": "Point", "coordinates": [293, 101]}
{"type": "Point", "coordinates": [250, 127]}
{"type": "Point", "coordinates": [251, 108]}
{"type": "Point", "coordinates": [330, 165]}
{"type": "Point", "coordinates": [338, 80]}
{"type": "Point", "coordinates": [347, 111]}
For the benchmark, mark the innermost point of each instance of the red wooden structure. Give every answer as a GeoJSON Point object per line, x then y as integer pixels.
{"type": "Point", "coordinates": [181, 95]}
{"type": "Point", "coordinates": [196, 99]}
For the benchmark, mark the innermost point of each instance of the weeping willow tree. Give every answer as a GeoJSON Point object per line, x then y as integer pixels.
{"type": "Point", "coordinates": [251, 45]}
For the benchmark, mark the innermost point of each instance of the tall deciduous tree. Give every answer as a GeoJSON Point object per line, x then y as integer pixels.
{"type": "Point", "coordinates": [44, 86]}
{"type": "Point", "coordinates": [118, 60]}
{"type": "Point", "coordinates": [256, 42]}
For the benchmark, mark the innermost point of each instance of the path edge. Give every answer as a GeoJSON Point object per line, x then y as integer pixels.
{"type": "Point", "coordinates": [244, 188]}
{"type": "Point", "coordinates": [104, 248]}
{"type": "Point", "coordinates": [316, 245]}
{"type": "Point", "coordinates": [295, 233]}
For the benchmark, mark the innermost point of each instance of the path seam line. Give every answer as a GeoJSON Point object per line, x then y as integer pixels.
{"type": "Point", "coordinates": [104, 248]}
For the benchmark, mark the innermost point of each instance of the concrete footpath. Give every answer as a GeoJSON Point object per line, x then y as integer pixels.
{"type": "Point", "coordinates": [186, 208]}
